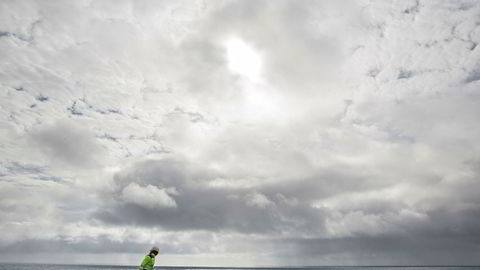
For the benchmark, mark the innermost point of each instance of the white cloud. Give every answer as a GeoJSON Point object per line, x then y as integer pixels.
{"type": "Point", "coordinates": [148, 196]}
{"type": "Point", "coordinates": [258, 200]}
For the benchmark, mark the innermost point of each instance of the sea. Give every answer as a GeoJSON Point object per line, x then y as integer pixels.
{"type": "Point", "coordinates": [6, 266]}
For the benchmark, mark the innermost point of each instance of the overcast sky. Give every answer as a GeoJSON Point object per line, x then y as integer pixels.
{"type": "Point", "coordinates": [240, 133]}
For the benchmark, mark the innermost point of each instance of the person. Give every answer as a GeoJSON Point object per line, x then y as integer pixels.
{"type": "Point", "coordinates": [149, 261]}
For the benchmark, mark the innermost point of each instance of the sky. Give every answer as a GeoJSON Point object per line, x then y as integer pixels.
{"type": "Point", "coordinates": [240, 133]}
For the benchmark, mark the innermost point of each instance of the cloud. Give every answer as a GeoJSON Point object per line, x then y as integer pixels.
{"type": "Point", "coordinates": [283, 206]}
{"type": "Point", "coordinates": [383, 250]}
{"type": "Point", "coordinates": [148, 196]}
{"type": "Point", "coordinates": [197, 206]}
{"type": "Point", "coordinates": [124, 124]}
{"type": "Point", "coordinates": [69, 143]}
{"type": "Point", "coordinates": [258, 200]}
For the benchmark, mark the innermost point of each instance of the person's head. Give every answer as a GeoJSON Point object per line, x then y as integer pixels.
{"type": "Point", "coordinates": [154, 251]}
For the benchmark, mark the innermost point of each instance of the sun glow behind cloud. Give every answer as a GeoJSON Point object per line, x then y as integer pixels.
{"type": "Point", "coordinates": [261, 103]}
{"type": "Point", "coordinates": [243, 59]}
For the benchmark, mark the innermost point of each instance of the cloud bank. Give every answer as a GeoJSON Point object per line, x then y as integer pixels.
{"type": "Point", "coordinates": [240, 133]}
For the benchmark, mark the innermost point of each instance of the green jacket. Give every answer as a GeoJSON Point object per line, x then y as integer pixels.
{"type": "Point", "coordinates": [147, 263]}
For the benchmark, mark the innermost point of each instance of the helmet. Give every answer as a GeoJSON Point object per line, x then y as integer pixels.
{"type": "Point", "coordinates": [154, 248]}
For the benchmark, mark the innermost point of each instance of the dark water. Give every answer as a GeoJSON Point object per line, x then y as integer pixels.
{"type": "Point", "coordinates": [4, 266]}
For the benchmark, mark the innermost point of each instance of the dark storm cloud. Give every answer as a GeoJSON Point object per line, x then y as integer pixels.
{"type": "Point", "coordinates": [200, 206]}
{"type": "Point", "coordinates": [285, 205]}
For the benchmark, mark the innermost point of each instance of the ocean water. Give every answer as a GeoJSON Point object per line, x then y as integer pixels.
{"type": "Point", "coordinates": [4, 266]}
